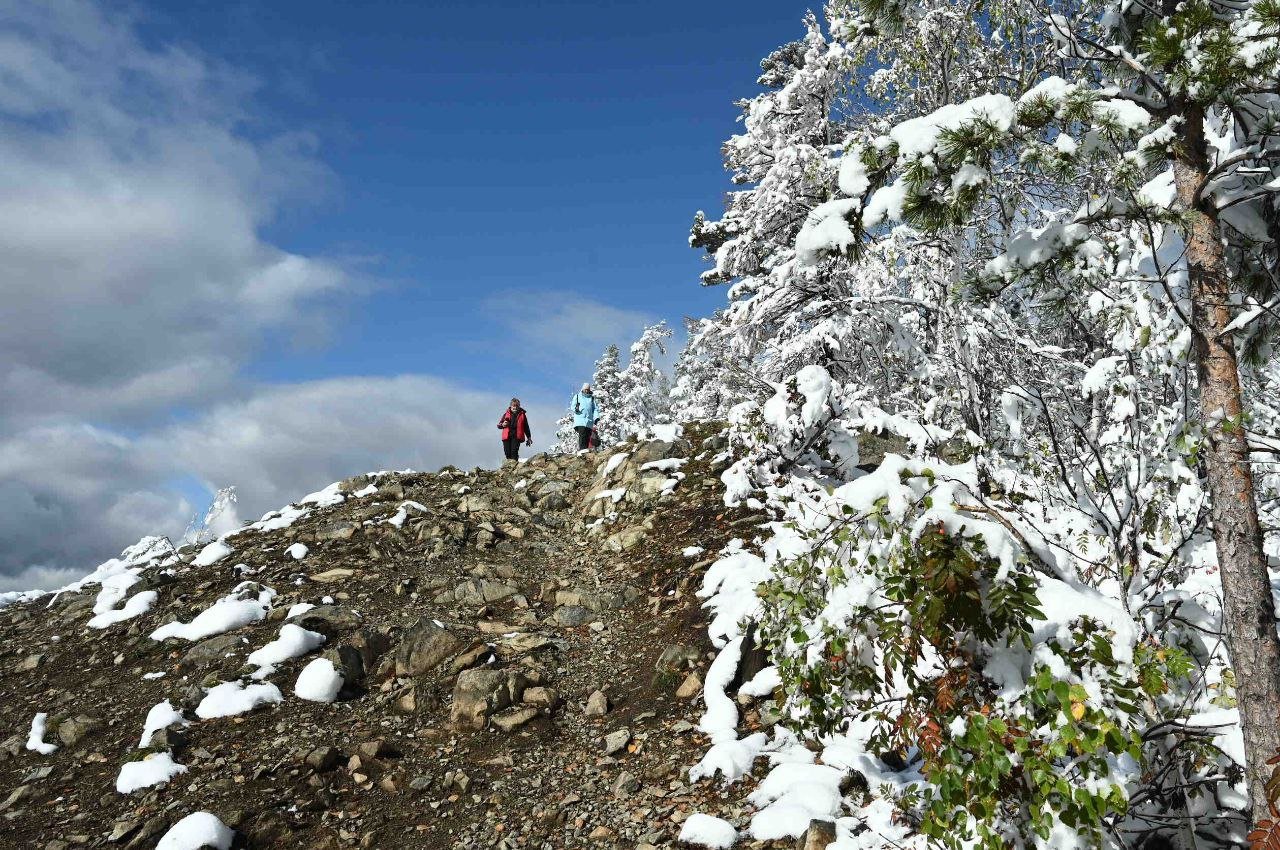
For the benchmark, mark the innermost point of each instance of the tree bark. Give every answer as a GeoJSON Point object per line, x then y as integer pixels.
{"type": "Point", "coordinates": [1249, 617]}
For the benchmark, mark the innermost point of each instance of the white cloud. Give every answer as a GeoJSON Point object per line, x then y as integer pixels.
{"type": "Point", "coordinates": [132, 271]}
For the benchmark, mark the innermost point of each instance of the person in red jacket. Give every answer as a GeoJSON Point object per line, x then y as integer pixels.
{"type": "Point", "coordinates": [515, 430]}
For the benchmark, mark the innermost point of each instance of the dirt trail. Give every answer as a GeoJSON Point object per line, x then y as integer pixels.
{"type": "Point", "coordinates": [481, 622]}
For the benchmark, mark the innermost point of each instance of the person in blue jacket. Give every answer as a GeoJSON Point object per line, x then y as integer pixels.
{"type": "Point", "coordinates": [585, 413]}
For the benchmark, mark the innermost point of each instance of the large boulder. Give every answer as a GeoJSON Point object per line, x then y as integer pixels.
{"type": "Point", "coordinates": [481, 692]}
{"type": "Point", "coordinates": [424, 648]}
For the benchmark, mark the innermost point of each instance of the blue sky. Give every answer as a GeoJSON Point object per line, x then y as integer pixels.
{"type": "Point", "coordinates": [490, 154]}
{"type": "Point", "coordinates": [270, 245]}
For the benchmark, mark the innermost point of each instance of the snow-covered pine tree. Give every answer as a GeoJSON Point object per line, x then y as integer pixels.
{"type": "Point", "coordinates": [566, 436]}
{"type": "Point", "coordinates": [643, 393]}
{"type": "Point", "coordinates": [1169, 117]}
{"type": "Point", "coordinates": [1067, 386]}
{"type": "Point", "coordinates": [606, 386]}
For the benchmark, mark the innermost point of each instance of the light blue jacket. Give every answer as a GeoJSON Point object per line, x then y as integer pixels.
{"type": "Point", "coordinates": [584, 410]}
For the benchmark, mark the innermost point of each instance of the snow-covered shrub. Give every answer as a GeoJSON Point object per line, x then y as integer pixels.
{"type": "Point", "coordinates": [909, 607]}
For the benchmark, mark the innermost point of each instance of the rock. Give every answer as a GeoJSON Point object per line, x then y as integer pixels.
{"type": "Point", "coordinates": [590, 601]}
{"type": "Point", "coordinates": [328, 620]}
{"type": "Point", "coordinates": [690, 687]}
{"type": "Point", "coordinates": [600, 833]}
{"type": "Point", "coordinates": [146, 836]}
{"type": "Point", "coordinates": [481, 692]}
{"type": "Point", "coordinates": [19, 794]}
{"type": "Point", "coordinates": [616, 741]}
{"type": "Point", "coordinates": [473, 655]}
{"type": "Point", "coordinates": [349, 664]}
{"type": "Point", "coordinates": [123, 829]}
{"type": "Point", "coordinates": [514, 718]}
{"type": "Point", "coordinates": [675, 658]}
{"type": "Point", "coordinates": [819, 834]}
{"type": "Point", "coordinates": [483, 592]}
{"type": "Point", "coordinates": [626, 539]}
{"type": "Point", "coordinates": [424, 648]}
{"type": "Point", "coordinates": [73, 729]}
{"type": "Point", "coordinates": [597, 705]}
{"type": "Point", "coordinates": [552, 502]}
{"type": "Point", "coordinates": [341, 530]}
{"type": "Point", "coordinates": [322, 759]}
{"type": "Point", "coordinates": [625, 785]}
{"type": "Point", "coordinates": [371, 644]}
{"type": "Point", "coordinates": [523, 644]}
{"type": "Point", "coordinates": [31, 662]}
{"type": "Point", "coordinates": [171, 738]}
{"type": "Point", "coordinates": [474, 505]}
{"type": "Point", "coordinates": [752, 659]}
{"type": "Point", "coordinates": [377, 748]}
{"type": "Point", "coordinates": [12, 746]}
{"type": "Point", "coordinates": [456, 780]}
{"type": "Point", "coordinates": [335, 574]}
{"type": "Point", "coordinates": [211, 650]}
{"type": "Point", "coordinates": [571, 616]}
{"type": "Point", "coordinates": [542, 697]}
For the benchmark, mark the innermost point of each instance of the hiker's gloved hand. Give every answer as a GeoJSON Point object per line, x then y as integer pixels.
{"type": "Point", "coordinates": [529, 442]}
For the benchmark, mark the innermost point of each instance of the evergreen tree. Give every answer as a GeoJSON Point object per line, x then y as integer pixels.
{"type": "Point", "coordinates": [1175, 105]}
{"type": "Point", "coordinates": [1000, 267]}
{"type": "Point", "coordinates": [643, 394]}
{"type": "Point", "coordinates": [606, 386]}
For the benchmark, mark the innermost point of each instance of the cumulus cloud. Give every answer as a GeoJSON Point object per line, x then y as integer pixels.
{"type": "Point", "coordinates": [131, 266]}
{"type": "Point", "coordinates": [133, 275]}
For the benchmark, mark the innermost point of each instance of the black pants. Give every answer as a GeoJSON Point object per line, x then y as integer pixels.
{"type": "Point", "coordinates": [511, 448]}
{"type": "Point", "coordinates": [584, 436]}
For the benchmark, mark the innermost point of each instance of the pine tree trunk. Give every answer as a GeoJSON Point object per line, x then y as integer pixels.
{"type": "Point", "coordinates": [1249, 617]}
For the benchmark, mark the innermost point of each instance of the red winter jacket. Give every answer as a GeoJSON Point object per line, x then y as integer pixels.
{"type": "Point", "coordinates": [521, 425]}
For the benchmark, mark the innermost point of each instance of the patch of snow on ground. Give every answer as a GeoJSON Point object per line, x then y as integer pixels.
{"type": "Point", "coordinates": [692, 552]}
{"type": "Point", "coordinates": [666, 433]}
{"type": "Point", "coordinates": [613, 463]}
{"type": "Point", "coordinates": [230, 612]}
{"type": "Point", "coordinates": [35, 738]}
{"type": "Point", "coordinates": [197, 830]}
{"type": "Point", "coordinates": [763, 683]}
{"type": "Point", "coordinates": [147, 551]}
{"type": "Point", "coordinates": [707, 831]}
{"type": "Point", "coordinates": [319, 681]}
{"type": "Point", "coordinates": [161, 716]}
{"type": "Point", "coordinates": [615, 495]}
{"type": "Point", "coordinates": [155, 769]}
{"type": "Point", "coordinates": [293, 642]}
{"type": "Point", "coordinates": [792, 795]}
{"type": "Point", "coordinates": [365, 491]}
{"type": "Point", "coordinates": [275, 520]}
{"type": "Point", "coordinates": [136, 606]}
{"type": "Point", "coordinates": [299, 608]}
{"type": "Point", "coordinates": [402, 513]}
{"type": "Point", "coordinates": [297, 551]}
{"type": "Point", "coordinates": [326, 498]}
{"type": "Point", "coordinates": [231, 698]}
{"type": "Point", "coordinates": [114, 589]}
{"type": "Point", "coordinates": [212, 554]}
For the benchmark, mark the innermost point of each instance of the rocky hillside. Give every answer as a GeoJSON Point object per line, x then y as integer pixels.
{"type": "Point", "coordinates": [503, 658]}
